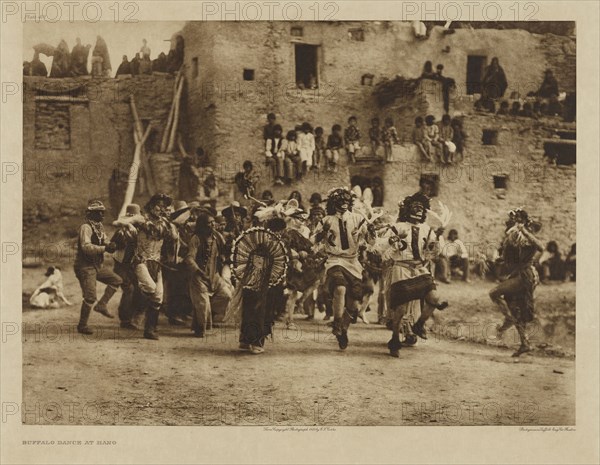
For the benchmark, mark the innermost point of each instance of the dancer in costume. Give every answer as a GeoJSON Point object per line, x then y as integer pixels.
{"type": "Point", "coordinates": [259, 263]}
{"type": "Point", "coordinates": [153, 227]}
{"type": "Point", "coordinates": [406, 249]}
{"type": "Point", "coordinates": [340, 235]}
{"type": "Point", "coordinates": [515, 295]}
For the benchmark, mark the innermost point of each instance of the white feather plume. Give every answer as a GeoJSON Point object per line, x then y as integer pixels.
{"type": "Point", "coordinates": [443, 217]}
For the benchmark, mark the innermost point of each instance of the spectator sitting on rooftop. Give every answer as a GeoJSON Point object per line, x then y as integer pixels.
{"type": "Point", "coordinates": [549, 85]}
{"type": "Point", "coordinates": [124, 67]}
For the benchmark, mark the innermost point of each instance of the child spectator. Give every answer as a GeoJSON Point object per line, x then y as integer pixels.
{"type": "Point", "coordinates": [275, 154]}
{"type": "Point", "coordinates": [246, 181]}
{"type": "Point", "coordinates": [319, 148]}
{"type": "Point", "coordinates": [298, 197]}
{"type": "Point", "coordinates": [515, 109]}
{"type": "Point", "coordinates": [334, 144]}
{"type": "Point", "coordinates": [504, 108]}
{"type": "Point", "coordinates": [317, 212]}
{"type": "Point", "coordinates": [459, 136]}
{"type": "Point", "coordinates": [269, 129]}
{"type": "Point", "coordinates": [446, 137]}
{"type": "Point", "coordinates": [433, 133]}
{"type": "Point", "coordinates": [209, 193]}
{"type": "Point", "coordinates": [306, 147]}
{"type": "Point", "coordinates": [420, 138]}
{"type": "Point", "coordinates": [315, 200]}
{"type": "Point", "coordinates": [267, 197]}
{"type": "Point", "coordinates": [293, 162]}
{"type": "Point", "coordinates": [375, 136]}
{"type": "Point", "coordinates": [389, 136]}
{"type": "Point", "coordinates": [351, 138]}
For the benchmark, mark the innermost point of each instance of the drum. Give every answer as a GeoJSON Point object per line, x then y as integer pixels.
{"type": "Point", "coordinates": [259, 259]}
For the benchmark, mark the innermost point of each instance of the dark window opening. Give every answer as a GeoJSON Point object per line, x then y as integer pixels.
{"type": "Point", "coordinates": [562, 152]}
{"type": "Point", "coordinates": [375, 183]}
{"type": "Point", "coordinates": [432, 179]}
{"type": "Point", "coordinates": [489, 137]}
{"type": "Point", "coordinates": [248, 75]}
{"type": "Point", "coordinates": [475, 68]}
{"type": "Point", "coordinates": [500, 181]}
{"type": "Point", "coordinates": [307, 66]}
{"type": "Point", "coordinates": [195, 67]}
{"type": "Point", "coordinates": [357, 34]}
{"type": "Point", "coordinates": [367, 79]}
{"type": "Point", "coordinates": [566, 134]}
{"type": "Point", "coordinates": [297, 31]}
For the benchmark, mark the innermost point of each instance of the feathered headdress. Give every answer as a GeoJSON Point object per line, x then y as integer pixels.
{"type": "Point", "coordinates": [282, 210]}
{"type": "Point", "coordinates": [520, 216]}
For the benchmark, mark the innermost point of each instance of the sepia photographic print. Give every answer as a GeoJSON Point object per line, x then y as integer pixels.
{"type": "Point", "coordinates": [298, 218]}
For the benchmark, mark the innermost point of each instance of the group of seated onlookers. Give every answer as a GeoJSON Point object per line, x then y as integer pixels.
{"type": "Point", "coordinates": [142, 64]}
{"type": "Point", "coordinates": [454, 260]}
{"type": "Point", "coordinates": [532, 109]}
{"type": "Point", "coordinates": [552, 267]}
{"type": "Point", "coordinates": [546, 101]}
{"type": "Point", "coordinates": [291, 155]}
{"type": "Point", "coordinates": [443, 141]}
{"type": "Point", "coordinates": [73, 63]}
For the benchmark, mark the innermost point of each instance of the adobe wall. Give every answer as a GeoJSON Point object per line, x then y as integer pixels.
{"type": "Point", "coordinates": [479, 210]}
{"type": "Point", "coordinates": [60, 182]}
{"type": "Point", "coordinates": [225, 114]}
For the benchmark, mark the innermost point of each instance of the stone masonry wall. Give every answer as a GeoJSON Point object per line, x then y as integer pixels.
{"type": "Point", "coordinates": [60, 182]}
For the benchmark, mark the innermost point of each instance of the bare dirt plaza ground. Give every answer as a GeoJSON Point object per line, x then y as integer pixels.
{"type": "Point", "coordinates": [460, 376]}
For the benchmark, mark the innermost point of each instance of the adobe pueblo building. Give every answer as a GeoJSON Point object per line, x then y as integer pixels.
{"type": "Point", "coordinates": [235, 73]}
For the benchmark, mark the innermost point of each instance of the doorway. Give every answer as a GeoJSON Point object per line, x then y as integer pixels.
{"type": "Point", "coordinates": [307, 66]}
{"type": "Point", "coordinates": [475, 68]}
{"type": "Point", "coordinates": [370, 179]}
